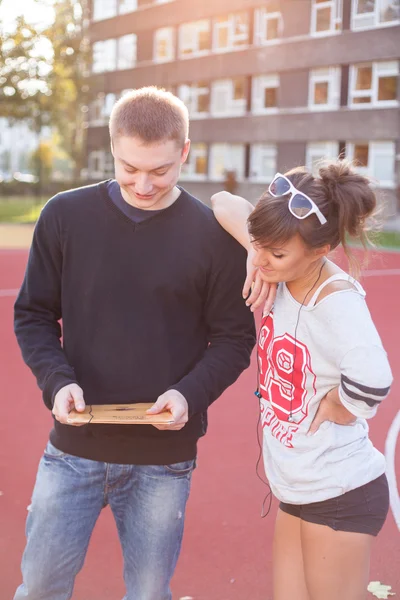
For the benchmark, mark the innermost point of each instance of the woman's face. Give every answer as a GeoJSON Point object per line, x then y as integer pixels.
{"type": "Point", "coordinates": [285, 262]}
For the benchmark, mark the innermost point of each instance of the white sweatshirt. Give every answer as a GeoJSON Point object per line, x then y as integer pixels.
{"type": "Point", "coordinates": [336, 344]}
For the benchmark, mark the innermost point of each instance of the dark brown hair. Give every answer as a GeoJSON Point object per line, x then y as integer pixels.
{"type": "Point", "coordinates": [345, 198]}
{"type": "Point", "coordinates": [152, 115]}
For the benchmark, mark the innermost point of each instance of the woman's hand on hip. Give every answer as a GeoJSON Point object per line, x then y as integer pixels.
{"type": "Point", "coordinates": [331, 409]}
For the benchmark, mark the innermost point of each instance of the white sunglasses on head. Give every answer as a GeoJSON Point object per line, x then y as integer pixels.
{"type": "Point", "coordinates": [300, 205]}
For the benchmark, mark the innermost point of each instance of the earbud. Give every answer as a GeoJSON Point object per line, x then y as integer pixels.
{"type": "Point", "coordinates": [257, 393]}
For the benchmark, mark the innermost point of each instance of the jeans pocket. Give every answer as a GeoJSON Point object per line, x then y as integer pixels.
{"type": "Point", "coordinates": [53, 452]}
{"type": "Point", "coordinates": [181, 468]}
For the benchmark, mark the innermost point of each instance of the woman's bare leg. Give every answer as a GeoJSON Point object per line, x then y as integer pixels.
{"type": "Point", "coordinates": [288, 569]}
{"type": "Point", "coordinates": [336, 563]}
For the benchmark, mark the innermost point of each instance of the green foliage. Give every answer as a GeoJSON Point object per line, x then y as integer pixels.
{"type": "Point", "coordinates": [23, 68]}
{"type": "Point", "coordinates": [43, 74]}
{"type": "Point", "coordinates": [67, 78]}
{"type": "Point", "coordinates": [20, 210]}
{"type": "Point", "coordinates": [41, 161]}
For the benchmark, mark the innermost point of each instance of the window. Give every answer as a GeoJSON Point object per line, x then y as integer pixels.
{"type": "Point", "coordinates": [265, 94]}
{"type": "Point", "coordinates": [376, 160]}
{"type": "Point", "coordinates": [374, 84]}
{"type": "Point", "coordinates": [324, 88]}
{"type": "Point", "coordinates": [126, 6]}
{"type": "Point", "coordinates": [100, 164]}
{"type": "Point", "coordinates": [126, 51]}
{"type": "Point", "coordinates": [226, 157]}
{"type": "Point", "coordinates": [268, 24]}
{"type": "Point", "coordinates": [228, 97]}
{"type": "Point", "coordinates": [326, 17]}
{"type": "Point", "coordinates": [104, 56]}
{"type": "Point", "coordinates": [367, 14]}
{"type": "Point", "coordinates": [96, 110]}
{"type": "Point", "coordinates": [231, 31]}
{"type": "Point", "coordinates": [164, 46]}
{"type": "Point", "coordinates": [316, 152]}
{"type": "Point", "coordinates": [109, 55]}
{"type": "Point", "coordinates": [194, 39]}
{"type": "Point", "coordinates": [100, 109]}
{"type": "Point", "coordinates": [196, 165]}
{"type": "Point", "coordinates": [105, 9]}
{"type": "Point", "coordinates": [262, 162]}
{"type": "Point", "coordinates": [196, 96]}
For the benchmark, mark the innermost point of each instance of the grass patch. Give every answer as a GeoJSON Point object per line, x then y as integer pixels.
{"type": "Point", "coordinates": [26, 209]}
{"type": "Point", "coordinates": [387, 239]}
{"type": "Point", "coordinates": [17, 209]}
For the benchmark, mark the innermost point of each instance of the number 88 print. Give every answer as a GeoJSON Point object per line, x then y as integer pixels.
{"type": "Point", "coordinates": [286, 376]}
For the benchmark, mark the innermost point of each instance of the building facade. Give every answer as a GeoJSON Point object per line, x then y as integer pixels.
{"type": "Point", "coordinates": [269, 84]}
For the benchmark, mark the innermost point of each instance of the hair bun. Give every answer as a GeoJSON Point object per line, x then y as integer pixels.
{"type": "Point", "coordinates": [334, 174]}
{"type": "Point", "coordinates": [350, 193]}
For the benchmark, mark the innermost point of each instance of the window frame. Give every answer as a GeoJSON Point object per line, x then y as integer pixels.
{"type": "Point", "coordinates": [171, 42]}
{"type": "Point", "coordinates": [256, 86]}
{"type": "Point", "coordinates": [335, 19]}
{"type": "Point", "coordinates": [194, 153]}
{"type": "Point", "coordinates": [261, 16]}
{"type": "Point", "coordinates": [117, 10]}
{"type": "Point", "coordinates": [378, 70]}
{"type": "Point", "coordinates": [330, 150]}
{"type": "Point", "coordinates": [256, 153]}
{"type": "Point", "coordinates": [110, 43]}
{"type": "Point", "coordinates": [230, 24]}
{"type": "Point", "coordinates": [133, 39]}
{"type": "Point", "coordinates": [240, 173]}
{"type": "Point", "coordinates": [333, 79]}
{"type": "Point", "coordinates": [196, 51]}
{"type": "Point", "coordinates": [376, 148]}
{"type": "Point", "coordinates": [234, 107]}
{"type": "Point", "coordinates": [374, 17]}
{"type": "Point", "coordinates": [195, 90]}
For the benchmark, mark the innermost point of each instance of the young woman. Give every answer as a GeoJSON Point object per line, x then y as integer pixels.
{"type": "Point", "coordinates": [322, 371]}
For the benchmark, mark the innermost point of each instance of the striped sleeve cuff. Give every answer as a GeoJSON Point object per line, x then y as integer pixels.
{"type": "Point", "coordinates": [361, 400]}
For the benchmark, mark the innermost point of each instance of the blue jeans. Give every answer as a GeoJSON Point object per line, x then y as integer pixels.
{"type": "Point", "coordinates": [148, 503]}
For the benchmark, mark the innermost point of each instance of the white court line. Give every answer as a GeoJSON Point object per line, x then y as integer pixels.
{"type": "Point", "coordinates": [8, 293]}
{"type": "Point", "coordinates": [369, 273]}
{"type": "Point", "coordinates": [390, 452]}
{"type": "Point", "coordinates": [379, 272]}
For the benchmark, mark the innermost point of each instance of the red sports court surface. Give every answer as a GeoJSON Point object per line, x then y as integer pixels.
{"type": "Point", "coordinates": [226, 553]}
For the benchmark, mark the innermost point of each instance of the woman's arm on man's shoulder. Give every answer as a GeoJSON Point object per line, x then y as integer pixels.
{"type": "Point", "coordinates": [232, 213]}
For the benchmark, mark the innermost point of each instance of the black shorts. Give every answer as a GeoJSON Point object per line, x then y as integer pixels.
{"type": "Point", "coordinates": [362, 510]}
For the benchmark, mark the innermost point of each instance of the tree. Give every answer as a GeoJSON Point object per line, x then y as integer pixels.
{"type": "Point", "coordinates": [23, 70]}
{"type": "Point", "coordinates": [67, 78]}
{"type": "Point", "coordinates": [41, 161]}
{"type": "Point", "coordinates": [43, 74]}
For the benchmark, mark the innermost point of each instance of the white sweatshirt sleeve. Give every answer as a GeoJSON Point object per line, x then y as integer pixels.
{"type": "Point", "coordinates": [365, 380]}
{"type": "Point", "coordinates": [351, 340]}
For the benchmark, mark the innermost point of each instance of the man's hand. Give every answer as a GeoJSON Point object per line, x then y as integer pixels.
{"type": "Point", "coordinates": [261, 291]}
{"type": "Point", "coordinates": [331, 409]}
{"type": "Point", "coordinates": [175, 402]}
{"type": "Point", "coordinates": [67, 398]}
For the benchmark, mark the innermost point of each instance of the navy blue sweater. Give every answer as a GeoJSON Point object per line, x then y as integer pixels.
{"type": "Point", "coordinates": [145, 307]}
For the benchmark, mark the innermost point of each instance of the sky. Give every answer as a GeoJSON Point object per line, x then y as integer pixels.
{"type": "Point", "coordinates": [35, 12]}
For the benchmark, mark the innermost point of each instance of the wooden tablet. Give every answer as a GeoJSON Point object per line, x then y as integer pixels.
{"type": "Point", "coordinates": [120, 414]}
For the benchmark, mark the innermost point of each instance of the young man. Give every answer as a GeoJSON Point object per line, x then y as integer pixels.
{"type": "Point", "coordinates": [148, 287]}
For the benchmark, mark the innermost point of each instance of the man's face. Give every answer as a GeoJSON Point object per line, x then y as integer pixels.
{"type": "Point", "coordinates": [148, 173]}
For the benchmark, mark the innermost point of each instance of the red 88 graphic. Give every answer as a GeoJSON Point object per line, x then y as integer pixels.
{"type": "Point", "coordinates": [286, 376]}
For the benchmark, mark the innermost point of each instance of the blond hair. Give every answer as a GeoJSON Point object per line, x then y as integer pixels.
{"type": "Point", "coordinates": [152, 115]}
